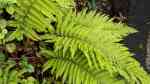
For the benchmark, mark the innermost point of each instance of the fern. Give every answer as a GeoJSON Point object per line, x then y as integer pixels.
{"type": "Point", "coordinates": [32, 16]}
{"type": "Point", "coordinates": [65, 3]}
{"type": "Point", "coordinates": [96, 37]}
{"type": "Point", "coordinates": [5, 3]}
{"type": "Point", "coordinates": [77, 70]}
{"type": "Point", "coordinates": [86, 46]}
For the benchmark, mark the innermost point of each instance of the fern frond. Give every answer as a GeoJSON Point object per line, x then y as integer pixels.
{"type": "Point", "coordinates": [96, 37]}
{"type": "Point", "coordinates": [5, 3]}
{"type": "Point", "coordinates": [86, 45]}
{"type": "Point", "coordinates": [34, 16]}
{"type": "Point", "coordinates": [65, 3]}
{"type": "Point", "coordinates": [77, 71]}
{"type": "Point", "coordinates": [88, 35]}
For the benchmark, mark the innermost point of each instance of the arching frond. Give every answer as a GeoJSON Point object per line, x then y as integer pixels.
{"type": "Point", "coordinates": [86, 45]}
{"type": "Point", "coordinates": [34, 16]}
{"type": "Point", "coordinates": [77, 71]}
{"type": "Point", "coordinates": [96, 37]}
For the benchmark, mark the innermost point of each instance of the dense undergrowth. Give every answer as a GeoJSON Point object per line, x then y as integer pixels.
{"type": "Point", "coordinates": [46, 42]}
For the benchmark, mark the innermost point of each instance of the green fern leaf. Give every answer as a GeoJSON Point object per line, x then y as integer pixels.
{"type": "Point", "coordinates": [34, 16]}
{"type": "Point", "coordinates": [97, 38]}
{"type": "Point", "coordinates": [5, 3]}
{"type": "Point", "coordinates": [86, 45]}
{"type": "Point", "coordinates": [77, 71]}
{"type": "Point", "coordinates": [65, 3]}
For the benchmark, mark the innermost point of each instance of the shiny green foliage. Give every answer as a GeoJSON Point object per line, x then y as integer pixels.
{"type": "Point", "coordinates": [11, 75]}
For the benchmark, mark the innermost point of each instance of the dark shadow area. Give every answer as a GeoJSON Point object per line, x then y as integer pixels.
{"type": "Point", "coordinates": [138, 17]}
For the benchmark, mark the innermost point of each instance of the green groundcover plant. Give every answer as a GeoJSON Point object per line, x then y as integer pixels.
{"type": "Point", "coordinates": [78, 48]}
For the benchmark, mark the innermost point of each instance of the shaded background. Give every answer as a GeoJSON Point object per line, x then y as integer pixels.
{"type": "Point", "coordinates": [139, 16]}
